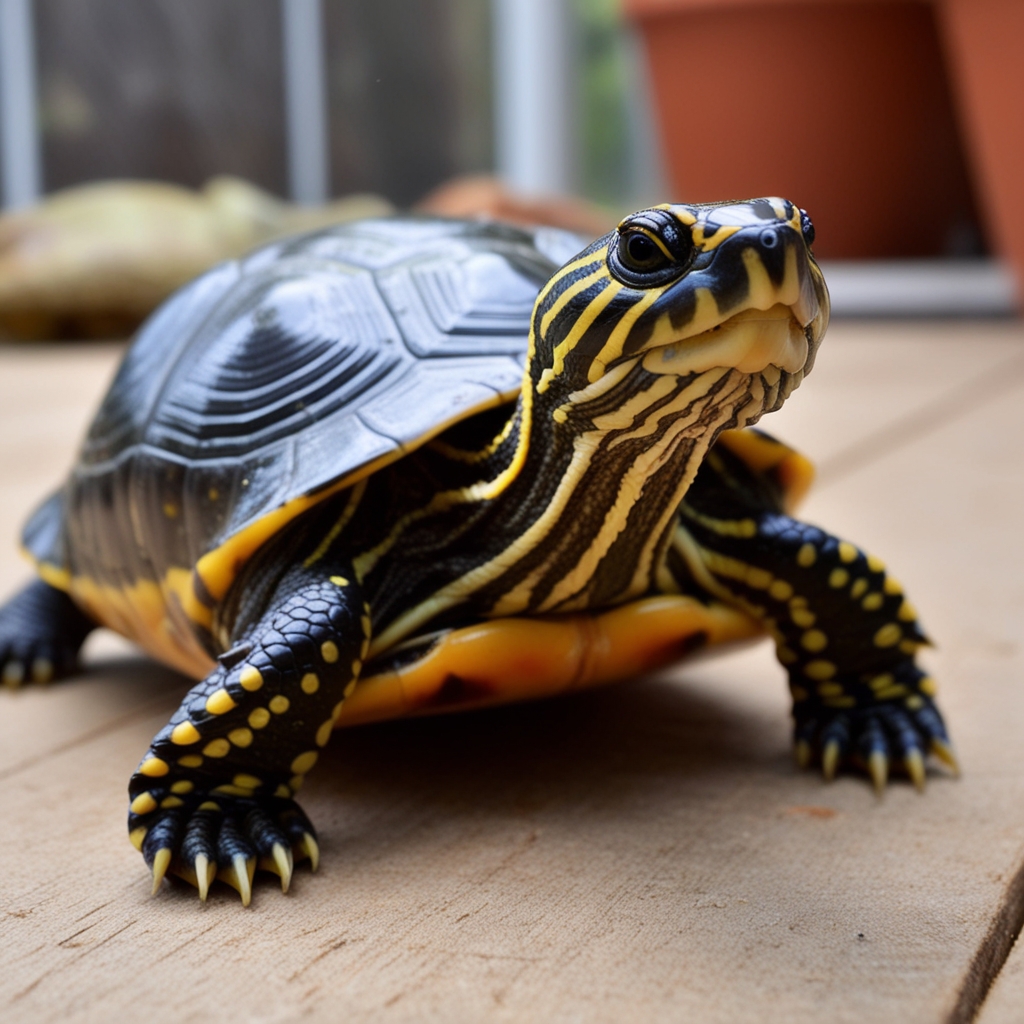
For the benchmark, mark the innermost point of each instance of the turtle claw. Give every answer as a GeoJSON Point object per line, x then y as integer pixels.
{"type": "Point", "coordinates": [161, 862]}
{"type": "Point", "coordinates": [830, 759]}
{"type": "Point", "coordinates": [312, 849]}
{"type": "Point", "coordinates": [13, 674]}
{"type": "Point", "coordinates": [205, 873]}
{"type": "Point", "coordinates": [227, 839]}
{"type": "Point", "coordinates": [239, 874]}
{"type": "Point", "coordinates": [943, 750]}
{"type": "Point", "coordinates": [875, 738]}
{"type": "Point", "coordinates": [913, 762]}
{"type": "Point", "coordinates": [283, 864]}
{"type": "Point", "coordinates": [878, 769]}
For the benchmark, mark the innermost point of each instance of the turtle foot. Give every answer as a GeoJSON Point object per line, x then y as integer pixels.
{"type": "Point", "coordinates": [875, 739]}
{"type": "Point", "coordinates": [41, 631]}
{"type": "Point", "coordinates": [227, 839]}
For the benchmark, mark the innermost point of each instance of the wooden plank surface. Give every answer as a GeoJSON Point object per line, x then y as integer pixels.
{"type": "Point", "coordinates": [648, 852]}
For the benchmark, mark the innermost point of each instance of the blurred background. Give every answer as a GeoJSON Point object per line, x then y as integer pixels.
{"type": "Point", "coordinates": [897, 124]}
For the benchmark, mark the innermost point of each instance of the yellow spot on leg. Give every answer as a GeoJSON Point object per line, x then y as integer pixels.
{"type": "Point", "coordinates": [171, 801]}
{"type": "Point", "coordinates": [872, 602]}
{"type": "Point", "coordinates": [838, 578]}
{"type": "Point", "coordinates": [220, 702]}
{"type": "Point", "coordinates": [209, 805]}
{"type": "Point", "coordinates": [304, 762]}
{"type": "Point", "coordinates": [806, 556]}
{"type": "Point", "coordinates": [820, 669]}
{"type": "Point", "coordinates": [780, 590]}
{"type": "Point", "coordinates": [875, 564]}
{"type": "Point", "coordinates": [802, 617]}
{"type": "Point", "coordinates": [310, 683]}
{"type": "Point", "coordinates": [847, 552]}
{"type": "Point", "coordinates": [283, 792]}
{"type": "Point", "coordinates": [888, 635]}
{"type": "Point", "coordinates": [143, 804]}
{"type": "Point", "coordinates": [259, 718]}
{"type": "Point", "coordinates": [280, 704]}
{"type": "Point", "coordinates": [154, 767]}
{"type": "Point", "coordinates": [217, 748]}
{"type": "Point", "coordinates": [182, 787]}
{"type": "Point", "coordinates": [184, 733]}
{"type": "Point", "coordinates": [758, 579]}
{"type": "Point", "coordinates": [858, 588]}
{"type": "Point", "coordinates": [190, 761]}
{"type": "Point", "coordinates": [814, 640]}
{"type": "Point", "coordinates": [907, 612]}
{"type": "Point", "coordinates": [323, 734]}
{"type": "Point", "coordinates": [251, 678]}
{"type": "Point", "coordinates": [339, 581]}
{"type": "Point", "coordinates": [136, 836]}
{"type": "Point", "coordinates": [247, 781]}
{"type": "Point", "coordinates": [329, 651]}
{"type": "Point", "coordinates": [240, 737]}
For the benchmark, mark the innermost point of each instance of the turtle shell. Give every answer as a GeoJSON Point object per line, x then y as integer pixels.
{"type": "Point", "coordinates": [271, 382]}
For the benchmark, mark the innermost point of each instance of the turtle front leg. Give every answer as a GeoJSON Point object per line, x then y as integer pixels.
{"type": "Point", "coordinates": [845, 632]}
{"type": "Point", "coordinates": [213, 797]}
{"type": "Point", "coordinates": [41, 633]}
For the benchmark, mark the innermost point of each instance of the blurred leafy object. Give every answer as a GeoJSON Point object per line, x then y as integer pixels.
{"type": "Point", "coordinates": [95, 260]}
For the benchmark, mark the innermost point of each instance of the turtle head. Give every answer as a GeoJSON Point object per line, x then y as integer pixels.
{"type": "Point", "coordinates": [685, 291]}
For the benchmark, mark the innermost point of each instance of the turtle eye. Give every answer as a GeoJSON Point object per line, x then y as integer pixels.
{"type": "Point", "coordinates": [649, 250]}
{"type": "Point", "coordinates": [640, 253]}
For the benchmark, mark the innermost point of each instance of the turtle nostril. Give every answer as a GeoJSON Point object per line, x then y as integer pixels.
{"type": "Point", "coordinates": [769, 238]}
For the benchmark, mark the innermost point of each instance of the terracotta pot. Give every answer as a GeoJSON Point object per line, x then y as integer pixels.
{"type": "Point", "coordinates": [985, 39]}
{"type": "Point", "coordinates": [843, 107]}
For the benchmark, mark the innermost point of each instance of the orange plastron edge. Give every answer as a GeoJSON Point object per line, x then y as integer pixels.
{"type": "Point", "coordinates": [523, 659]}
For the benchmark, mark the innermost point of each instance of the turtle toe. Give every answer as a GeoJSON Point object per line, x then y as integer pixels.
{"type": "Point", "coordinates": [41, 631]}
{"type": "Point", "coordinates": [225, 839]}
{"type": "Point", "coordinates": [877, 741]}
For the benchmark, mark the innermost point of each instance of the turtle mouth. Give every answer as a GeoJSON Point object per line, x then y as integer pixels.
{"type": "Point", "coordinates": [750, 342]}
{"type": "Point", "coordinates": [778, 340]}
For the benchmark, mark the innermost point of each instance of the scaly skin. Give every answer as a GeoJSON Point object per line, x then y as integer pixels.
{"type": "Point", "coordinates": [843, 628]}
{"type": "Point", "coordinates": [41, 633]}
{"type": "Point", "coordinates": [213, 795]}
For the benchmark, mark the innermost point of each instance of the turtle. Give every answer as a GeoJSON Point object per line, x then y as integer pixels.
{"type": "Point", "coordinates": [413, 464]}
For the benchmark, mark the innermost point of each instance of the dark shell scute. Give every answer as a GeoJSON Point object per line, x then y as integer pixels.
{"type": "Point", "coordinates": [278, 375]}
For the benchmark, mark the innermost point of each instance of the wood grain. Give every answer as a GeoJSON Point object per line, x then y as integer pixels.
{"type": "Point", "coordinates": [648, 852]}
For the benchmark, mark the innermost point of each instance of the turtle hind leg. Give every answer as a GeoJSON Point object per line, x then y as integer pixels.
{"type": "Point", "coordinates": [41, 633]}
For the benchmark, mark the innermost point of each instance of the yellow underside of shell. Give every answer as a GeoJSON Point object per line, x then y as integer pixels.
{"type": "Point", "coordinates": [516, 659]}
